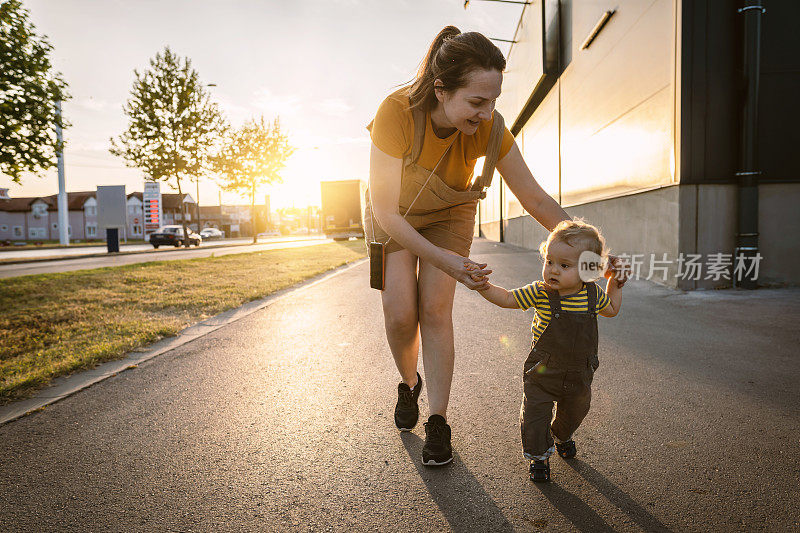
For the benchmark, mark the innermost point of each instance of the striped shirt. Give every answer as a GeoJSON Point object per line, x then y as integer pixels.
{"type": "Point", "coordinates": [535, 295]}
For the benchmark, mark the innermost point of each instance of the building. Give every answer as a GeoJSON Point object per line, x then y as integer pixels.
{"type": "Point", "coordinates": [224, 219]}
{"type": "Point", "coordinates": [172, 208]}
{"type": "Point", "coordinates": [36, 218]}
{"type": "Point", "coordinates": [639, 117]}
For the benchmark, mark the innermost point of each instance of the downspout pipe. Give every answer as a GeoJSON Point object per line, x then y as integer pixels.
{"type": "Point", "coordinates": [748, 175]}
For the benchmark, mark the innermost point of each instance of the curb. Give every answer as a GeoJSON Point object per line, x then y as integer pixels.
{"type": "Point", "coordinates": [65, 386]}
{"type": "Point", "coordinates": [134, 252]}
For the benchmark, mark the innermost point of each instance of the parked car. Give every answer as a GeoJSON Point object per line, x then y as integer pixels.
{"type": "Point", "coordinates": [270, 233]}
{"type": "Point", "coordinates": [173, 235]}
{"type": "Point", "coordinates": [212, 233]}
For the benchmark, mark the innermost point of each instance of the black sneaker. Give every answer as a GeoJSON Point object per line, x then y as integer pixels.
{"type": "Point", "coordinates": [540, 470]}
{"type": "Point", "coordinates": [437, 450]}
{"type": "Point", "coordinates": [566, 449]}
{"type": "Point", "coordinates": [406, 412]}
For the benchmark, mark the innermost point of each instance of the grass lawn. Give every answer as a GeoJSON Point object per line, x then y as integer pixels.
{"type": "Point", "coordinates": [55, 324]}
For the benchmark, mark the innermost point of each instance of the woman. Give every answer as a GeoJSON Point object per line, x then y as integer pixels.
{"type": "Point", "coordinates": [426, 138]}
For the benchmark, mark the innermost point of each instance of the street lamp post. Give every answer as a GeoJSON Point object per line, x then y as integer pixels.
{"type": "Point", "coordinates": [63, 208]}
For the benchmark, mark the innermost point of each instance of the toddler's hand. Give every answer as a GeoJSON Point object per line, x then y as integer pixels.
{"type": "Point", "coordinates": [475, 277]}
{"type": "Point", "coordinates": [472, 274]}
{"type": "Point", "coordinates": [618, 270]}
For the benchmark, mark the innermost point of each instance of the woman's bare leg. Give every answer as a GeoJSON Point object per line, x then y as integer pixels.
{"type": "Point", "coordinates": [400, 313]}
{"type": "Point", "coordinates": [436, 292]}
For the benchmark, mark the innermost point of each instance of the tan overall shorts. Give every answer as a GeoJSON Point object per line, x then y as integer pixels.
{"type": "Point", "coordinates": [443, 215]}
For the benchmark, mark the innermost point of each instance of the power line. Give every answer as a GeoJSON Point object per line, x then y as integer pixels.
{"type": "Point", "coordinates": [101, 166]}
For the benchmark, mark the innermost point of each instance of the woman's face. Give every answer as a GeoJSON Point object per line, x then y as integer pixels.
{"type": "Point", "coordinates": [467, 107]}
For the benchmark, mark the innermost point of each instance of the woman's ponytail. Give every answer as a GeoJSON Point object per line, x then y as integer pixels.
{"type": "Point", "coordinates": [446, 33]}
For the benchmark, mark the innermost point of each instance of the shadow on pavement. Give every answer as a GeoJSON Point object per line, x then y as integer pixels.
{"type": "Point", "coordinates": [460, 496]}
{"type": "Point", "coordinates": [573, 508]}
{"type": "Point", "coordinates": [617, 496]}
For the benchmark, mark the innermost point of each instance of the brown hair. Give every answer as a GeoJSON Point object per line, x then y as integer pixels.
{"type": "Point", "coordinates": [451, 57]}
{"type": "Point", "coordinates": [578, 234]}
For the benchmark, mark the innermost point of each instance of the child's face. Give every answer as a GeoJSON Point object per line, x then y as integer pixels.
{"type": "Point", "coordinates": [560, 270]}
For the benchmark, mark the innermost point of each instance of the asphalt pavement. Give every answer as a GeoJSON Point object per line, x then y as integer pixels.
{"type": "Point", "coordinates": [99, 248]}
{"type": "Point", "coordinates": [282, 421]}
{"type": "Point", "coordinates": [38, 266]}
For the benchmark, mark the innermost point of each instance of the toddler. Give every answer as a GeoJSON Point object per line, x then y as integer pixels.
{"type": "Point", "coordinates": [563, 357]}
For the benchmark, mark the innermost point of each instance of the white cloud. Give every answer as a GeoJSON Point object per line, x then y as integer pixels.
{"type": "Point", "coordinates": [88, 146]}
{"type": "Point", "coordinates": [273, 105]}
{"type": "Point", "coordinates": [335, 107]}
{"type": "Point", "coordinates": [95, 104]}
{"type": "Point", "coordinates": [353, 140]}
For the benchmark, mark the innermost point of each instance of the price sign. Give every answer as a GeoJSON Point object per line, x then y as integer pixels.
{"type": "Point", "coordinates": [152, 207]}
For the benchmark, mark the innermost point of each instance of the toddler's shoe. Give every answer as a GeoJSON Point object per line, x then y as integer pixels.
{"type": "Point", "coordinates": [566, 449]}
{"type": "Point", "coordinates": [540, 470]}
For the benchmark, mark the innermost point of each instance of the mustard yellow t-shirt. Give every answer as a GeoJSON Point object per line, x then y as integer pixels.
{"type": "Point", "coordinates": [393, 132]}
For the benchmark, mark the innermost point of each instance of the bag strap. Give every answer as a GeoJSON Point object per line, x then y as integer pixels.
{"type": "Point", "coordinates": [419, 133]}
{"type": "Point", "coordinates": [492, 154]}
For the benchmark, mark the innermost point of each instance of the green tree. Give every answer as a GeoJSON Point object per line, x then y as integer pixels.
{"type": "Point", "coordinates": [253, 157]}
{"type": "Point", "coordinates": [174, 128]}
{"type": "Point", "coordinates": [29, 90]}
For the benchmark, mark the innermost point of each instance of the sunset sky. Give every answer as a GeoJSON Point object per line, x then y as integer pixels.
{"type": "Point", "coordinates": [323, 66]}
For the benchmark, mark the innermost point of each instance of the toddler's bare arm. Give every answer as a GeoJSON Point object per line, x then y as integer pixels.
{"type": "Point", "coordinates": [499, 296]}
{"type": "Point", "coordinates": [614, 292]}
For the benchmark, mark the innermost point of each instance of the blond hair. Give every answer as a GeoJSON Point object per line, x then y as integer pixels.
{"type": "Point", "coordinates": [579, 234]}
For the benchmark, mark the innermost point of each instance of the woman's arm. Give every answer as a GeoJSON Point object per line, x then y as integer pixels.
{"type": "Point", "coordinates": [385, 175]}
{"type": "Point", "coordinates": [530, 194]}
{"type": "Point", "coordinates": [536, 201]}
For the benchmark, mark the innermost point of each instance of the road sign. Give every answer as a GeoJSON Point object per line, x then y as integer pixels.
{"type": "Point", "coordinates": [111, 207]}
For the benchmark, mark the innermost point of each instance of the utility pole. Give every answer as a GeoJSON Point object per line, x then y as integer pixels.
{"type": "Point", "coordinates": [63, 208]}
{"type": "Point", "coordinates": [197, 204]}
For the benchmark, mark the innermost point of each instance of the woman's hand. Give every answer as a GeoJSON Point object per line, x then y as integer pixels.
{"type": "Point", "coordinates": [466, 271]}
{"type": "Point", "coordinates": [618, 270]}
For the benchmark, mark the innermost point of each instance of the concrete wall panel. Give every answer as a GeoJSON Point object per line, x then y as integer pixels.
{"type": "Point", "coordinates": [617, 100]}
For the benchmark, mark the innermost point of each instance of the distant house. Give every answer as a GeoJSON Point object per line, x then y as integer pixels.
{"type": "Point", "coordinates": [35, 218]}
{"type": "Point", "coordinates": [171, 206]}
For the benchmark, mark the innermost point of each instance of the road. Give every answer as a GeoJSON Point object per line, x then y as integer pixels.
{"type": "Point", "coordinates": [282, 421]}
{"type": "Point", "coordinates": [37, 253]}
{"type": "Point", "coordinates": [168, 254]}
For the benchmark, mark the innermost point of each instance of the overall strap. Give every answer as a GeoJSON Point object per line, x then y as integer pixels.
{"type": "Point", "coordinates": [591, 293]}
{"type": "Point", "coordinates": [555, 302]}
{"type": "Point", "coordinates": [419, 133]}
{"type": "Point", "coordinates": [492, 153]}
